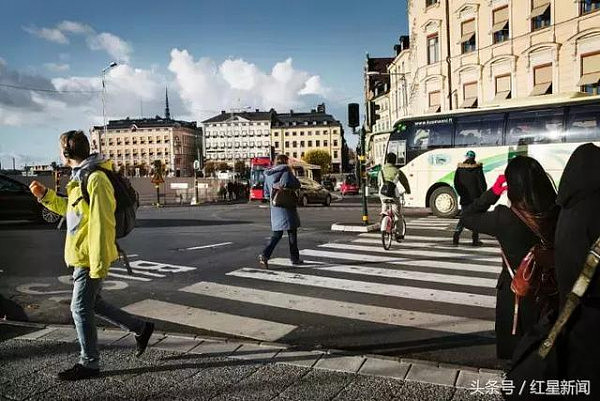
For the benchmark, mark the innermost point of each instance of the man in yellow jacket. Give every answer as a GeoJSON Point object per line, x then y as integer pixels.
{"type": "Point", "coordinates": [90, 249]}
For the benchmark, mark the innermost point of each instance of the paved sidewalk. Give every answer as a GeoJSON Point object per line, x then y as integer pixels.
{"type": "Point", "coordinates": [178, 367]}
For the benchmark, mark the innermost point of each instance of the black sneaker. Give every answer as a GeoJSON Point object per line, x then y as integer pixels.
{"type": "Point", "coordinates": [141, 341]}
{"type": "Point", "coordinates": [477, 243]}
{"type": "Point", "coordinates": [77, 372]}
{"type": "Point", "coordinates": [297, 262]}
{"type": "Point", "coordinates": [263, 261]}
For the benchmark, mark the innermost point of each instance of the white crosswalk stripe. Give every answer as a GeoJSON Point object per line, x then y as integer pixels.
{"type": "Point", "coordinates": [348, 310]}
{"type": "Point", "coordinates": [423, 283]}
{"type": "Point", "coordinates": [400, 291]}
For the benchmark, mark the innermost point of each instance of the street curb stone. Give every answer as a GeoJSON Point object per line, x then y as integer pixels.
{"type": "Point", "coordinates": [408, 369]}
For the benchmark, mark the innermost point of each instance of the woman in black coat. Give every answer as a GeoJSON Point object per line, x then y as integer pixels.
{"type": "Point", "coordinates": [577, 229]}
{"type": "Point", "coordinates": [531, 192]}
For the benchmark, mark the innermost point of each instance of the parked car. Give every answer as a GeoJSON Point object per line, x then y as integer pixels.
{"type": "Point", "coordinates": [327, 184]}
{"type": "Point", "coordinates": [18, 203]}
{"type": "Point", "coordinates": [312, 192]}
{"type": "Point", "coordinates": [349, 186]}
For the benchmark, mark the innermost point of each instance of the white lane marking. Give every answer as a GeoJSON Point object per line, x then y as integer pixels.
{"type": "Point", "coordinates": [487, 268]}
{"type": "Point", "coordinates": [409, 237]}
{"type": "Point", "coordinates": [128, 277]}
{"type": "Point", "coordinates": [466, 248]}
{"type": "Point", "coordinates": [133, 255]}
{"type": "Point", "coordinates": [399, 291]}
{"type": "Point", "coordinates": [346, 310]}
{"type": "Point", "coordinates": [193, 248]}
{"type": "Point", "coordinates": [143, 273]}
{"type": "Point", "coordinates": [413, 252]}
{"type": "Point", "coordinates": [400, 274]}
{"type": "Point", "coordinates": [160, 267]}
{"type": "Point", "coordinates": [210, 320]}
{"type": "Point", "coordinates": [359, 257]}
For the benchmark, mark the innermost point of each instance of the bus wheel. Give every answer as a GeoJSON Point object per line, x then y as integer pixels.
{"type": "Point", "coordinates": [443, 202]}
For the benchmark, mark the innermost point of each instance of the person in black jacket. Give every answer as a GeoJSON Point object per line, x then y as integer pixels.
{"type": "Point", "coordinates": [577, 229]}
{"type": "Point", "coordinates": [469, 182]}
{"type": "Point", "coordinates": [531, 192]}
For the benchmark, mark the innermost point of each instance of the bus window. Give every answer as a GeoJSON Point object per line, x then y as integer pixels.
{"type": "Point", "coordinates": [479, 131]}
{"type": "Point", "coordinates": [584, 124]}
{"type": "Point", "coordinates": [533, 127]}
{"type": "Point", "coordinates": [424, 135]}
{"type": "Point", "coordinates": [398, 147]}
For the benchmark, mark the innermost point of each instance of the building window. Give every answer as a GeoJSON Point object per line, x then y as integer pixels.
{"type": "Point", "coordinates": [540, 14]}
{"type": "Point", "coordinates": [276, 133]}
{"type": "Point", "coordinates": [469, 95]}
{"type": "Point", "coordinates": [335, 154]}
{"type": "Point", "coordinates": [294, 144]}
{"type": "Point", "coordinates": [276, 144]}
{"type": "Point", "coordinates": [590, 73]}
{"type": "Point", "coordinates": [542, 80]}
{"type": "Point", "coordinates": [587, 6]}
{"type": "Point", "coordinates": [433, 53]}
{"type": "Point", "coordinates": [435, 104]}
{"type": "Point", "coordinates": [310, 144]}
{"type": "Point", "coordinates": [287, 144]}
{"type": "Point", "coordinates": [325, 143]}
{"type": "Point", "coordinates": [500, 27]}
{"type": "Point", "coordinates": [468, 38]}
{"type": "Point", "coordinates": [335, 142]}
{"type": "Point", "coordinates": [287, 133]}
{"type": "Point", "coordinates": [503, 87]}
{"type": "Point", "coordinates": [317, 143]}
{"type": "Point", "coordinates": [301, 144]}
{"type": "Point", "coordinates": [430, 2]}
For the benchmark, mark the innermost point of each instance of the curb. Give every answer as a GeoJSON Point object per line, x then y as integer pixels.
{"type": "Point", "coordinates": [421, 371]}
{"type": "Point", "coordinates": [354, 228]}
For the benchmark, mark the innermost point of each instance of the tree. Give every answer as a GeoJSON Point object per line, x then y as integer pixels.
{"type": "Point", "coordinates": [319, 157]}
{"type": "Point", "coordinates": [209, 168]}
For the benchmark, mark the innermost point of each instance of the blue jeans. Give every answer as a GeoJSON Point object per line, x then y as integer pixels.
{"type": "Point", "coordinates": [276, 236]}
{"type": "Point", "coordinates": [85, 304]}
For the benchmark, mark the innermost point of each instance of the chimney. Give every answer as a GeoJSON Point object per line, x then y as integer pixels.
{"type": "Point", "coordinates": [321, 108]}
{"type": "Point", "coordinates": [313, 111]}
{"type": "Point", "coordinates": [292, 112]}
{"type": "Point", "coordinates": [222, 111]}
{"type": "Point", "coordinates": [257, 110]}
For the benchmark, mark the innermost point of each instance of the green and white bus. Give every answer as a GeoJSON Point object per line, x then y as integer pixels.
{"type": "Point", "coordinates": [548, 128]}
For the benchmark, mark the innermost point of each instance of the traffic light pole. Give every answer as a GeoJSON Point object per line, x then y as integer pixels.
{"type": "Point", "coordinates": [363, 177]}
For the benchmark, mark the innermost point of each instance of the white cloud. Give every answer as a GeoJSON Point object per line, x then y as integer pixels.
{"type": "Point", "coordinates": [50, 34]}
{"type": "Point", "coordinates": [2, 62]}
{"type": "Point", "coordinates": [54, 67]}
{"type": "Point", "coordinates": [74, 27]}
{"type": "Point", "coordinates": [206, 87]}
{"type": "Point", "coordinates": [113, 45]}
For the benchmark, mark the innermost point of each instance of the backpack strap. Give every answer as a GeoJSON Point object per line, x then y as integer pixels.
{"type": "Point", "coordinates": [85, 175]}
{"type": "Point", "coordinates": [529, 224]}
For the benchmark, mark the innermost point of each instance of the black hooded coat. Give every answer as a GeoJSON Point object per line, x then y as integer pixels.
{"type": "Point", "coordinates": [577, 229]}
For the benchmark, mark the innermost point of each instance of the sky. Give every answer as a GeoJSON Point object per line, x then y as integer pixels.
{"type": "Point", "coordinates": [211, 55]}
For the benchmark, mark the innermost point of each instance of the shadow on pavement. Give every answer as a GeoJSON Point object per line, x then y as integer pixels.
{"type": "Point", "coordinates": [148, 223]}
{"type": "Point", "coordinates": [10, 310]}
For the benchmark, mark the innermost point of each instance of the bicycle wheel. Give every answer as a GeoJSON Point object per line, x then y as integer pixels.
{"type": "Point", "coordinates": [386, 233]}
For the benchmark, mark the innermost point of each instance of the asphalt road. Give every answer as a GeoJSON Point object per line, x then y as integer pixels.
{"type": "Point", "coordinates": [196, 272]}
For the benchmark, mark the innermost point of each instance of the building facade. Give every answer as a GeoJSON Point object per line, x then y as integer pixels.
{"type": "Point", "coordinates": [237, 136]}
{"type": "Point", "coordinates": [467, 54]}
{"type": "Point", "coordinates": [294, 134]}
{"type": "Point", "coordinates": [134, 144]}
{"type": "Point", "coordinates": [240, 136]}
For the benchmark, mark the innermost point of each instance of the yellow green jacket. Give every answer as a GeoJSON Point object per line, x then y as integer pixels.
{"type": "Point", "coordinates": [90, 238]}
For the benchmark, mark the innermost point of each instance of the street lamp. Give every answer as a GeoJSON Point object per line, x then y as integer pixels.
{"type": "Point", "coordinates": [111, 65]}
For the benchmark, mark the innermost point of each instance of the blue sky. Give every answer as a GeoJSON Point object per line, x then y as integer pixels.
{"type": "Point", "coordinates": [212, 55]}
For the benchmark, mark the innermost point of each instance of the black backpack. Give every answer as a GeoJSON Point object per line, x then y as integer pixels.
{"type": "Point", "coordinates": [126, 197]}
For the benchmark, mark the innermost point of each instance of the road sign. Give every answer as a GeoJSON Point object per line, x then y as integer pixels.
{"type": "Point", "coordinates": [196, 164]}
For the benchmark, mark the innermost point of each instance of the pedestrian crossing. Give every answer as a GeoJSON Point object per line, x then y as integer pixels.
{"type": "Point", "coordinates": [423, 283]}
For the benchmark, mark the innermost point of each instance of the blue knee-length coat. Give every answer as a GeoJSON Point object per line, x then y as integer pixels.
{"type": "Point", "coordinates": [281, 176]}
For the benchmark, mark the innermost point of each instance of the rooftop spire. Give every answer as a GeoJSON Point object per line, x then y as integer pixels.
{"type": "Point", "coordinates": [167, 112]}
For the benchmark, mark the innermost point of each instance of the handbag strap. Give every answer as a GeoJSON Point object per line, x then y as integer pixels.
{"type": "Point", "coordinates": [511, 272]}
{"type": "Point", "coordinates": [528, 223]}
{"type": "Point", "coordinates": [573, 298]}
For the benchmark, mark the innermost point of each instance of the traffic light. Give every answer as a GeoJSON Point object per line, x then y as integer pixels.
{"type": "Point", "coordinates": [374, 115]}
{"type": "Point", "coordinates": [353, 115]}
{"type": "Point", "coordinates": [272, 153]}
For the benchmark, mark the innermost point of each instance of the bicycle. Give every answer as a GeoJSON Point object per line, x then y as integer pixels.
{"type": "Point", "coordinates": [389, 224]}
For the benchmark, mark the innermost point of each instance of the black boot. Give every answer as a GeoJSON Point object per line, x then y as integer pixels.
{"type": "Point", "coordinates": [455, 237]}
{"type": "Point", "coordinates": [476, 241]}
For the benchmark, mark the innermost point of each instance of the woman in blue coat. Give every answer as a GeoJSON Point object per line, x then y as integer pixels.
{"type": "Point", "coordinates": [281, 176]}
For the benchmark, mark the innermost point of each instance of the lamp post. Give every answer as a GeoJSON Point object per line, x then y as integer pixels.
{"type": "Point", "coordinates": [176, 152]}
{"type": "Point", "coordinates": [111, 65]}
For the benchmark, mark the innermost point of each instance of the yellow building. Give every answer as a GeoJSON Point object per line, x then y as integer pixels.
{"type": "Point", "coordinates": [135, 144]}
{"type": "Point", "coordinates": [466, 54]}
{"type": "Point", "coordinates": [294, 134]}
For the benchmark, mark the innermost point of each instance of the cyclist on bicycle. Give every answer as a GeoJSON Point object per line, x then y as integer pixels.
{"type": "Point", "coordinates": [392, 185]}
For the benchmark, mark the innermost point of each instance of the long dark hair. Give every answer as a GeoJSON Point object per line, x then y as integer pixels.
{"type": "Point", "coordinates": [529, 186]}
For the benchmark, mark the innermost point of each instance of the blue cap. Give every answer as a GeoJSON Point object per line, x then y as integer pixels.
{"type": "Point", "coordinates": [470, 154]}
